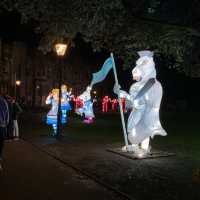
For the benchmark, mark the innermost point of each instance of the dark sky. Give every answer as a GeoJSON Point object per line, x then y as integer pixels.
{"type": "Point", "coordinates": [13, 30]}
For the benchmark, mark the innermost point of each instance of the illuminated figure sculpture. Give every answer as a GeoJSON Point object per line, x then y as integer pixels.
{"type": "Point", "coordinates": [78, 103]}
{"type": "Point", "coordinates": [87, 108]}
{"type": "Point", "coordinates": [52, 114]}
{"type": "Point", "coordinates": [65, 102]}
{"type": "Point", "coordinates": [144, 97]}
{"type": "Point", "coordinates": [123, 100]}
{"type": "Point", "coordinates": [105, 102]}
{"type": "Point", "coordinates": [114, 104]}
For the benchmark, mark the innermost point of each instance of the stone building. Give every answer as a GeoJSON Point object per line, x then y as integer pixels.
{"type": "Point", "coordinates": [38, 73]}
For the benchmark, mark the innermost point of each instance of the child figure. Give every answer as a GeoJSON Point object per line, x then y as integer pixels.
{"type": "Point", "coordinates": [78, 103]}
{"type": "Point", "coordinates": [52, 99]}
{"type": "Point", "coordinates": [105, 102]}
{"type": "Point", "coordinates": [87, 108]}
{"type": "Point", "coordinates": [65, 105]}
{"type": "Point", "coordinates": [123, 100]}
{"type": "Point", "coordinates": [114, 104]}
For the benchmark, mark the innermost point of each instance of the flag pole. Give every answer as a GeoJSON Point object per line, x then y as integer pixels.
{"type": "Point", "coordinates": [120, 103]}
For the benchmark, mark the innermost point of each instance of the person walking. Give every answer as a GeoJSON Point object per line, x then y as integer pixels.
{"type": "Point", "coordinates": [16, 111]}
{"type": "Point", "coordinates": [4, 120]}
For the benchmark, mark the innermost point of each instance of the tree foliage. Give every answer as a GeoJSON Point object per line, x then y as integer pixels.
{"type": "Point", "coordinates": [113, 25]}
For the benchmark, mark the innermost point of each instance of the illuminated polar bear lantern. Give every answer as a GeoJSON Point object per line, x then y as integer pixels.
{"type": "Point", "coordinates": [144, 99]}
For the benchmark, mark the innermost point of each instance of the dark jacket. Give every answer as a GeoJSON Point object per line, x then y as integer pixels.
{"type": "Point", "coordinates": [4, 112]}
{"type": "Point", "coordinates": [16, 110]}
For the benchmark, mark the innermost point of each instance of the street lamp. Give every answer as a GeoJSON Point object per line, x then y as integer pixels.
{"type": "Point", "coordinates": [60, 49]}
{"type": "Point", "coordinates": [17, 85]}
{"type": "Point", "coordinates": [18, 82]}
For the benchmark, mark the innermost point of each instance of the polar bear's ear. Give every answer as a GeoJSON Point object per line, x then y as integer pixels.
{"type": "Point", "coordinates": [145, 53]}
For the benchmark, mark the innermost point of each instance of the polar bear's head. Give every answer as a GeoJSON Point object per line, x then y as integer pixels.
{"type": "Point", "coordinates": [145, 67]}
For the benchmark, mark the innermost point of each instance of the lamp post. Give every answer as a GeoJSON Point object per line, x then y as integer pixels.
{"type": "Point", "coordinates": [17, 85]}
{"type": "Point", "coordinates": [60, 49]}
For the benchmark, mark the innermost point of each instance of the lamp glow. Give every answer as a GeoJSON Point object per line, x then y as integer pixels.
{"type": "Point", "coordinates": [18, 82]}
{"type": "Point", "coordinates": [60, 49]}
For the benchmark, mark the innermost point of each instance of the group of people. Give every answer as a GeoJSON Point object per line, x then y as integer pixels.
{"type": "Point", "coordinates": [9, 111]}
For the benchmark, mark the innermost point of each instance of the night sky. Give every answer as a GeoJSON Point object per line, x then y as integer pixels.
{"type": "Point", "coordinates": [14, 30]}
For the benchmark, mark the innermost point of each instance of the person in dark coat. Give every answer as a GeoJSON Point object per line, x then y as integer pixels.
{"type": "Point", "coordinates": [10, 127]}
{"type": "Point", "coordinates": [4, 120]}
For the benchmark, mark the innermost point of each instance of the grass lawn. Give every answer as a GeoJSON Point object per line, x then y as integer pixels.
{"type": "Point", "coordinates": [183, 130]}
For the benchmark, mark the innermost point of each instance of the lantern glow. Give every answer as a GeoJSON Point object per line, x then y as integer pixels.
{"type": "Point", "coordinates": [18, 82]}
{"type": "Point", "coordinates": [60, 49]}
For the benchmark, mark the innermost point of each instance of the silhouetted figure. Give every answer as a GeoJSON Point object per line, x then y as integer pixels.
{"type": "Point", "coordinates": [16, 111]}
{"type": "Point", "coordinates": [4, 120]}
{"type": "Point", "coordinates": [9, 131]}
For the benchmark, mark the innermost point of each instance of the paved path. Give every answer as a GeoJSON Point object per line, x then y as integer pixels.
{"type": "Point", "coordinates": [30, 174]}
{"type": "Point", "coordinates": [167, 178]}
